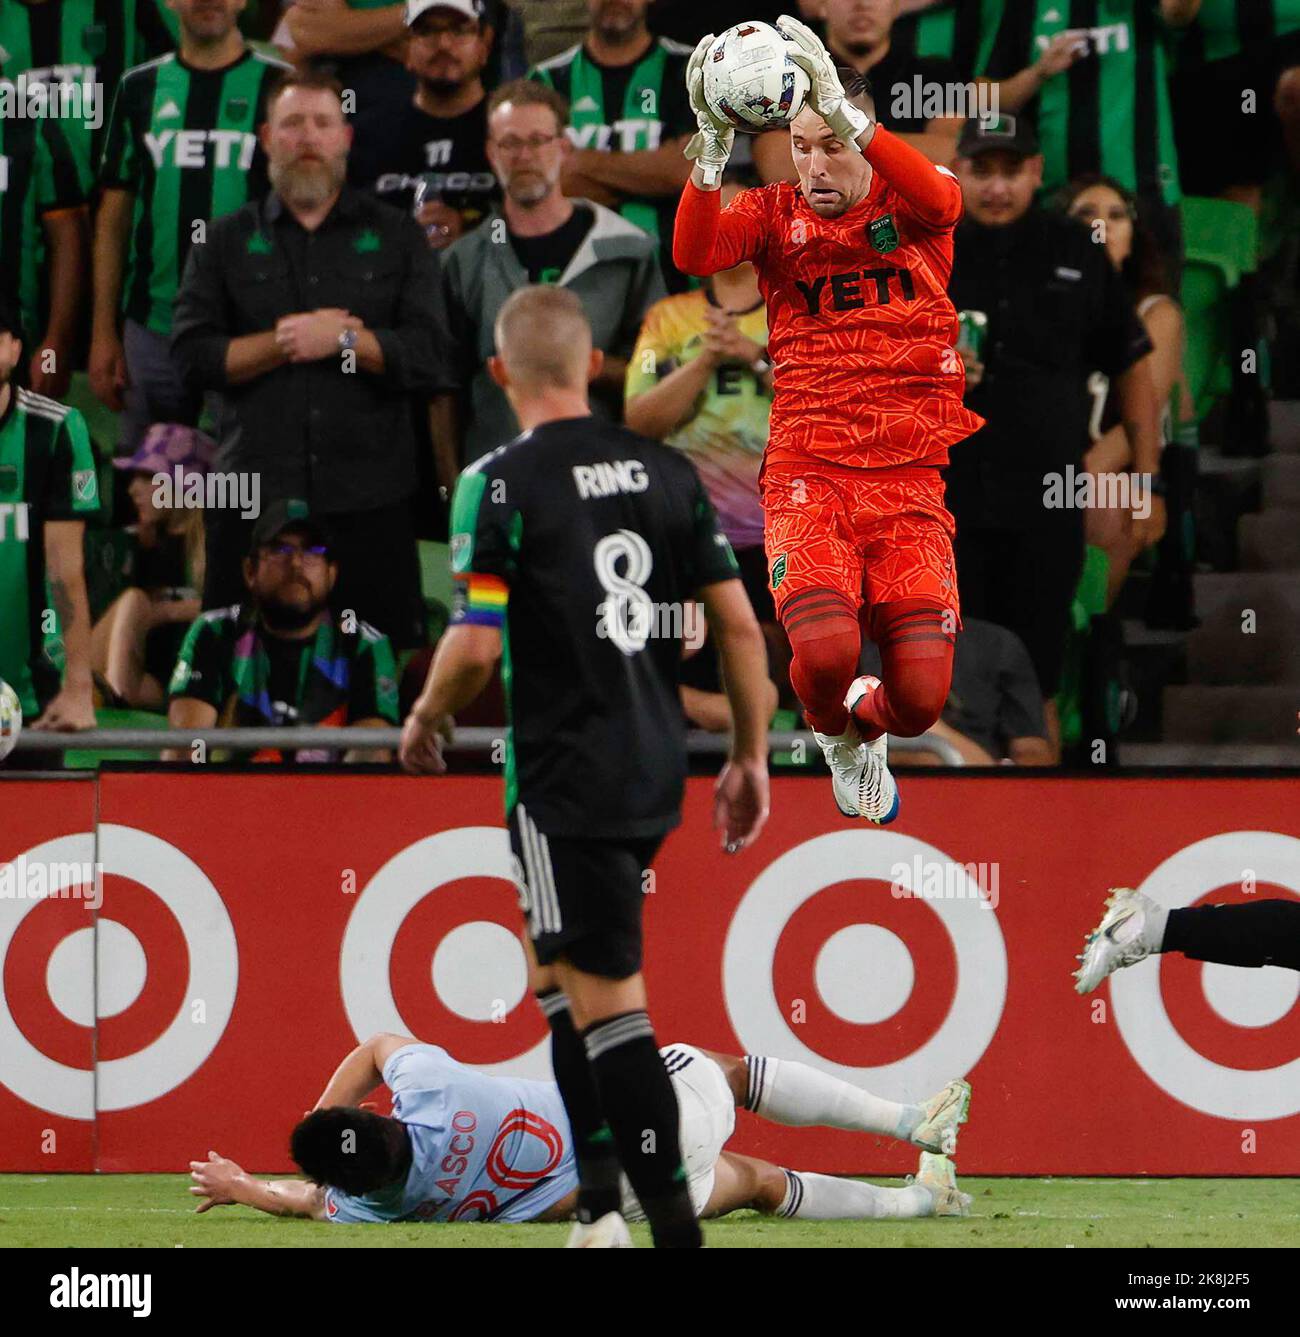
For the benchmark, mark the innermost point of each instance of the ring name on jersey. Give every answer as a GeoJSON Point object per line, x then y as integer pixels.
{"type": "Point", "coordinates": [607, 478]}
{"type": "Point", "coordinates": [189, 148]}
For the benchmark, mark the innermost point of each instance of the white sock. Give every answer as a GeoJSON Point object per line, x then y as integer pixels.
{"type": "Point", "coordinates": [813, 1197]}
{"type": "Point", "coordinates": [792, 1093]}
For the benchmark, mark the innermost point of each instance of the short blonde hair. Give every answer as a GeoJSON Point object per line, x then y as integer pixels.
{"type": "Point", "coordinates": [543, 337]}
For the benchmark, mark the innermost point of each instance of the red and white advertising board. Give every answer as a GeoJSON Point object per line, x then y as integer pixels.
{"type": "Point", "coordinates": [253, 927]}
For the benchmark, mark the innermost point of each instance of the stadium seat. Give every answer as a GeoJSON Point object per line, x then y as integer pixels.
{"type": "Point", "coordinates": [1221, 241]}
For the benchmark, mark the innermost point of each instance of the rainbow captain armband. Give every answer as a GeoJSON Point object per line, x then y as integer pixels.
{"type": "Point", "coordinates": [480, 600]}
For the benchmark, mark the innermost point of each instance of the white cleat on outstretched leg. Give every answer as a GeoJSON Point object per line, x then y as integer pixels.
{"type": "Point", "coordinates": [609, 1232]}
{"type": "Point", "coordinates": [937, 1131]}
{"type": "Point", "coordinates": [939, 1175]}
{"type": "Point", "coordinates": [1121, 939]}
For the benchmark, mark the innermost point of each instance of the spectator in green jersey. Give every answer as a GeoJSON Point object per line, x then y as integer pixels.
{"type": "Point", "coordinates": [281, 658]}
{"type": "Point", "coordinates": [940, 47]}
{"type": "Point", "coordinates": [182, 149]}
{"type": "Point", "coordinates": [48, 486]}
{"type": "Point", "coordinates": [629, 120]}
{"type": "Point", "coordinates": [43, 242]}
{"type": "Point", "coordinates": [79, 49]}
{"type": "Point", "coordinates": [1098, 96]}
{"type": "Point", "coordinates": [1236, 96]}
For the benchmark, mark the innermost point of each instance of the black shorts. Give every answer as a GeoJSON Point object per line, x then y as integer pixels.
{"type": "Point", "coordinates": [583, 898]}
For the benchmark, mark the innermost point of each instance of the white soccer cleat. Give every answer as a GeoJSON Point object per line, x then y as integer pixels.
{"type": "Point", "coordinates": [1119, 940]}
{"type": "Point", "coordinates": [860, 777]}
{"type": "Point", "coordinates": [937, 1132]}
{"type": "Point", "coordinates": [939, 1175]}
{"type": "Point", "coordinates": [609, 1232]}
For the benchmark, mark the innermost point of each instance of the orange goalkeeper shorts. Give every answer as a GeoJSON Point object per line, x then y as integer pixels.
{"type": "Point", "coordinates": [876, 535]}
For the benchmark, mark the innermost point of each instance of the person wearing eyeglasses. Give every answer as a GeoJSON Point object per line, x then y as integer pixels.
{"type": "Point", "coordinates": [281, 657]}
{"type": "Point", "coordinates": [538, 236]}
{"type": "Point", "coordinates": [430, 158]}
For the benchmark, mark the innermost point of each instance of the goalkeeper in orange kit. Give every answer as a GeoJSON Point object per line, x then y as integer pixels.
{"type": "Point", "coordinates": [853, 264]}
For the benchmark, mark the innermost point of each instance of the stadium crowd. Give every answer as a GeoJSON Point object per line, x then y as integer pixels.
{"type": "Point", "coordinates": [245, 318]}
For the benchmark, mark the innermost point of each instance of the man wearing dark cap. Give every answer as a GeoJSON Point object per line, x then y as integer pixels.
{"type": "Point", "coordinates": [1041, 308]}
{"type": "Point", "coordinates": [281, 659]}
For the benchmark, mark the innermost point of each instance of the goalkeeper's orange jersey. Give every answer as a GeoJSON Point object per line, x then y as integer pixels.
{"type": "Point", "coordinates": [861, 333]}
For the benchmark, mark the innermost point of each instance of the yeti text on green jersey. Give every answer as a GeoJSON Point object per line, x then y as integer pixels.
{"type": "Point", "coordinates": [183, 141]}
{"type": "Point", "coordinates": [78, 50]}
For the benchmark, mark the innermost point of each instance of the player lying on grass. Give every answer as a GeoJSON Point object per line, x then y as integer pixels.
{"type": "Point", "coordinates": [853, 264]}
{"type": "Point", "coordinates": [1265, 933]}
{"type": "Point", "coordinates": [463, 1145]}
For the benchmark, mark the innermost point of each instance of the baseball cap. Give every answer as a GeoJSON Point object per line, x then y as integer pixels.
{"type": "Point", "coordinates": [282, 515]}
{"type": "Point", "coordinates": [1011, 134]}
{"type": "Point", "coordinates": [471, 9]}
{"type": "Point", "coordinates": [168, 445]}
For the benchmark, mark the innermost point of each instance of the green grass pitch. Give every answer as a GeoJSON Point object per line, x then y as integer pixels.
{"type": "Point", "coordinates": [95, 1211]}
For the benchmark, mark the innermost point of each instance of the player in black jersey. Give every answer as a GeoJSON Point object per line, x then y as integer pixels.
{"type": "Point", "coordinates": [578, 548]}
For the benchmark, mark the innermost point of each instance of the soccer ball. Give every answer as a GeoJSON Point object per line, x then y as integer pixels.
{"type": "Point", "coordinates": [750, 80]}
{"type": "Point", "coordinates": [11, 719]}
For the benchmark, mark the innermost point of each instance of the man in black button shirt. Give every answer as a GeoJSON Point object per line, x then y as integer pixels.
{"type": "Point", "coordinates": [1051, 309]}
{"type": "Point", "coordinates": [312, 315]}
{"type": "Point", "coordinates": [431, 158]}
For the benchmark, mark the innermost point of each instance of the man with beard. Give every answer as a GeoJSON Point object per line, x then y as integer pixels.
{"type": "Point", "coordinates": [629, 120]}
{"type": "Point", "coordinates": [311, 314]}
{"type": "Point", "coordinates": [540, 236]}
{"type": "Point", "coordinates": [280, 658]}
{"type": "Point", "coordinates": [181, 148]}
{"type": "Point", "coordinates": [430, 159]}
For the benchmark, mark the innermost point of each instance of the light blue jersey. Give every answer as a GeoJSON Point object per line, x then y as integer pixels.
{"type": "Point", "coordinates": [483, 1148]}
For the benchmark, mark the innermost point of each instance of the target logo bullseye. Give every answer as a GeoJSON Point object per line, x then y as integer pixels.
{"type": "Point", "coordinates": [159, 969]}
{"type": "Point", "coordinates": [900, 995]}
{"type": "Point", "coordinates": [1246, 1065]}
{"type": "Point", "coordinates": [432, 949]}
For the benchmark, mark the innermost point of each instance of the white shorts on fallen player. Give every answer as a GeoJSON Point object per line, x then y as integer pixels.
{"type": "Point", "coordinates": [706, 1121]}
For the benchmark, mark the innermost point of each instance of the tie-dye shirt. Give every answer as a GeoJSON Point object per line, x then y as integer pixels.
{"type": "Point", "coordinates": [336, 677]}
{"type": "Point", "coordinates": [726, 435]}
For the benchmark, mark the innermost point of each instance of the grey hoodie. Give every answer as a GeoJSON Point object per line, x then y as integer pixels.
{"type": "Point", "coordinates": [615, 274]}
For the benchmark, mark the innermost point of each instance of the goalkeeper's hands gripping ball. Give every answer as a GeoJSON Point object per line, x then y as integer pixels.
{"type": "Point", "coordinates": [710, 146]}
{"type": "Point", "coordinates": [826, 94]}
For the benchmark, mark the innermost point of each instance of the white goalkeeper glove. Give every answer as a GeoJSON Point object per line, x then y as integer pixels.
{"type": "Point", "coordinates": [710, 146]}
{"type": "Point", "coordinates": [825, 91]}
